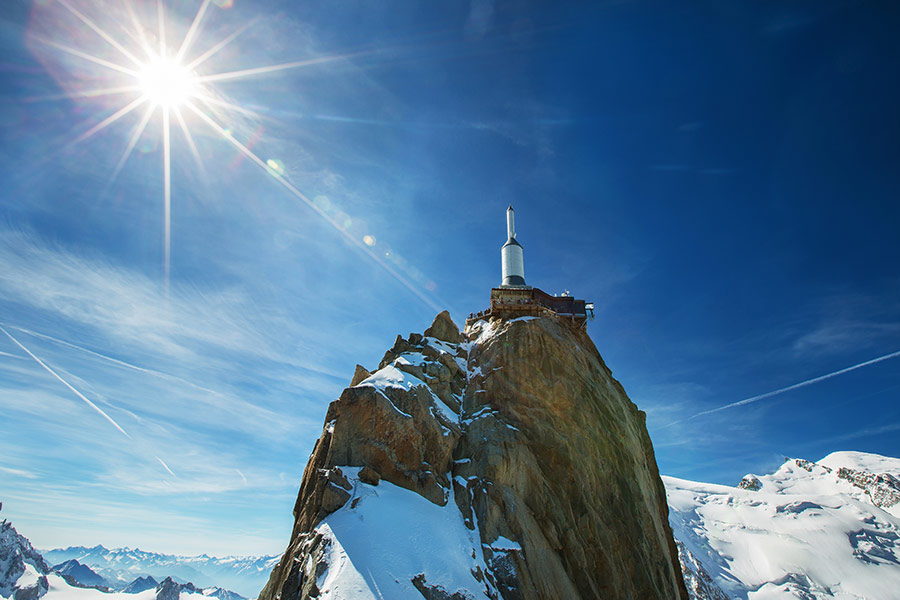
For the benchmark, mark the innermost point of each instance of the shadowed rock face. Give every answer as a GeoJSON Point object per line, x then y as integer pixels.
{"type": "Point", "coordinates": [546, 455]}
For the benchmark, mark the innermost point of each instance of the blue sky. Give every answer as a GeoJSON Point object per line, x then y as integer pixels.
{"type": "Point", "coordinates": [720, 179]}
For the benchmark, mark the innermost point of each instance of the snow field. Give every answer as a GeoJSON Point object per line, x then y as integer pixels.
{"type": "Point", "coordinates": [804, 532]}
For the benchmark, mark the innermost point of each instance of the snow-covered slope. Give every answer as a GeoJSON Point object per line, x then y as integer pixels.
{"type": "Point", "coordinates": [120, 566]}
{"type": "Point", "coordinates": [811, 530]}
{"type": "Point", "coordinates": [61, 590]}
{"type": "Point", "coordinates": [385, 541]}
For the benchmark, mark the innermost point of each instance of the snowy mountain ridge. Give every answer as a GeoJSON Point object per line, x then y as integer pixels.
{"type": "Point", "coordinates": [25, 575]}
{"type": "Point", "coordinates": [80, 575]}
{"type": "Point", "coordinates": [120, 566]}
{"type": "Point", "coordinates": [826, 529]}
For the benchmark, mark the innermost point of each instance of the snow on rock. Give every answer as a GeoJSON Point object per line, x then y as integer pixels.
{"type": "Point", "coordinates": [23, 571]}
{"type": "Point", "coordinates": [862, 461]}
{"type": "Point", "coordinates": [750, 482]}
{"type": "Point", "coordinates": [877, 476]}
{"type": "Point", "coordinates": [391, 376]}
{"type": "Point", "coordinates": [386, 537]}
{"type": "Point", "coordinates": [806, 532]}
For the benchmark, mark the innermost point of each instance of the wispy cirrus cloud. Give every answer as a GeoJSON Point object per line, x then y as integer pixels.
{"type": "Point", "coordinates": [18, 472]}
{"type": "Point", "coordinates": [839, 334]}
{"type": "Point", "coordinates": [125, 305]}
{"type": "Point", "coordinates": [846, 321]}
{"type": "Point", "coordinates": [212, 390]}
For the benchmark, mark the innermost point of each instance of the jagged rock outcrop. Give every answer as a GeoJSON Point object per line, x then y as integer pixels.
{"type": "Point", "coordinates": [882, 488]}
{"type": "Point", "coordinates": [699, 584]}
{"type": "Point", "coordinates": [168, 589]}
{"type": "Point", "coordinates": [358, 375]}
{"type": "Point", "coordinates": [750, 482]}
{"type": "Point", "coordinates": [23, 571]}
{"type": "Point", "coordinates": [534, 460]}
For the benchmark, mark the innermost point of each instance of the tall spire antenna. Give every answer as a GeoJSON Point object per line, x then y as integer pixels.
{"type": "Point", "coordinates": [511, 254]}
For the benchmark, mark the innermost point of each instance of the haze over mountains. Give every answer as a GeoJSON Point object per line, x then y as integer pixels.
{"type": "Point", "coordinates": [121, 566]}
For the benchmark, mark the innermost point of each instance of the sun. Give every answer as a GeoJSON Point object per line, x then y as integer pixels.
{"type": "Point", "coordinates": [170, 86]}
{"type": "Point", "coordinates": [165, 82]}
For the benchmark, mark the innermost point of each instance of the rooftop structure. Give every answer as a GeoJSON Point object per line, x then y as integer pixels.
{"type": "Point", "coordinates": [514, 298]}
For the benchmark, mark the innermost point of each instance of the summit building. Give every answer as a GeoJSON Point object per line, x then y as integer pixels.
{"type": "Point", "coordinates": [514, 298]}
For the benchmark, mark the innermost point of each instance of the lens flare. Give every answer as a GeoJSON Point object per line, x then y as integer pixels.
{"type": "Point", "coordinates": [171, 85]}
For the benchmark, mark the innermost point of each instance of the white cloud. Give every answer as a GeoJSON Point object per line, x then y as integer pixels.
{"type": "Point", "coordinates": [842, 334]}
{"type": "Point", "coordinates": [18, 472]}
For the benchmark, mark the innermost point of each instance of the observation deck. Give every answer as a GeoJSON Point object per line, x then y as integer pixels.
{"type": "Point", "coordinates": [521, 301]}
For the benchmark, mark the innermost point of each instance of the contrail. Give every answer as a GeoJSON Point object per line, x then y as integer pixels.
{"type": "Point", "coordinates": [166, 467]}
{"type": "Point", "coordinates": [789, 388]}
{"type": "Point", "coordinates": [115, 361]}
{"type": "Point", "coordinates": [66, 383]}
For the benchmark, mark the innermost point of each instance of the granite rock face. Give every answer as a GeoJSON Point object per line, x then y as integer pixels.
{"type": "Point", "coordinates": [521, 428]}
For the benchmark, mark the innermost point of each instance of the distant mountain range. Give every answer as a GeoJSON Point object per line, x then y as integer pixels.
{"type": "Point", "coordinates": [829, 529]}
{"type": "Point", "coordinates": [80, 575]}
{"type": "Point", "coordinates": [119, 567]}
{"type": "Point", "coordinates": [26, 575]}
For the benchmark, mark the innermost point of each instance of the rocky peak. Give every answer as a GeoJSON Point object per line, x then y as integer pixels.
{"type": "Point", "coordinates": [79, 575]}
{"type": "Point", "coordinates": [168, 589]}
{"type": "Point", "coordinates": [444, 329]}
{"type": "Point", "coordinates": [23, 571]}
{"type": "Point", "coordinates": [140, 584]}
{"type": "Point", "coordinates": [531, 455]}
{"type": "Point", "coordinates": [750, 482]}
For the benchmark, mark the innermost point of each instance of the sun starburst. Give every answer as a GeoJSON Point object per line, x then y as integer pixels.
{"type": "Point", "coordinates": [165, 84]}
